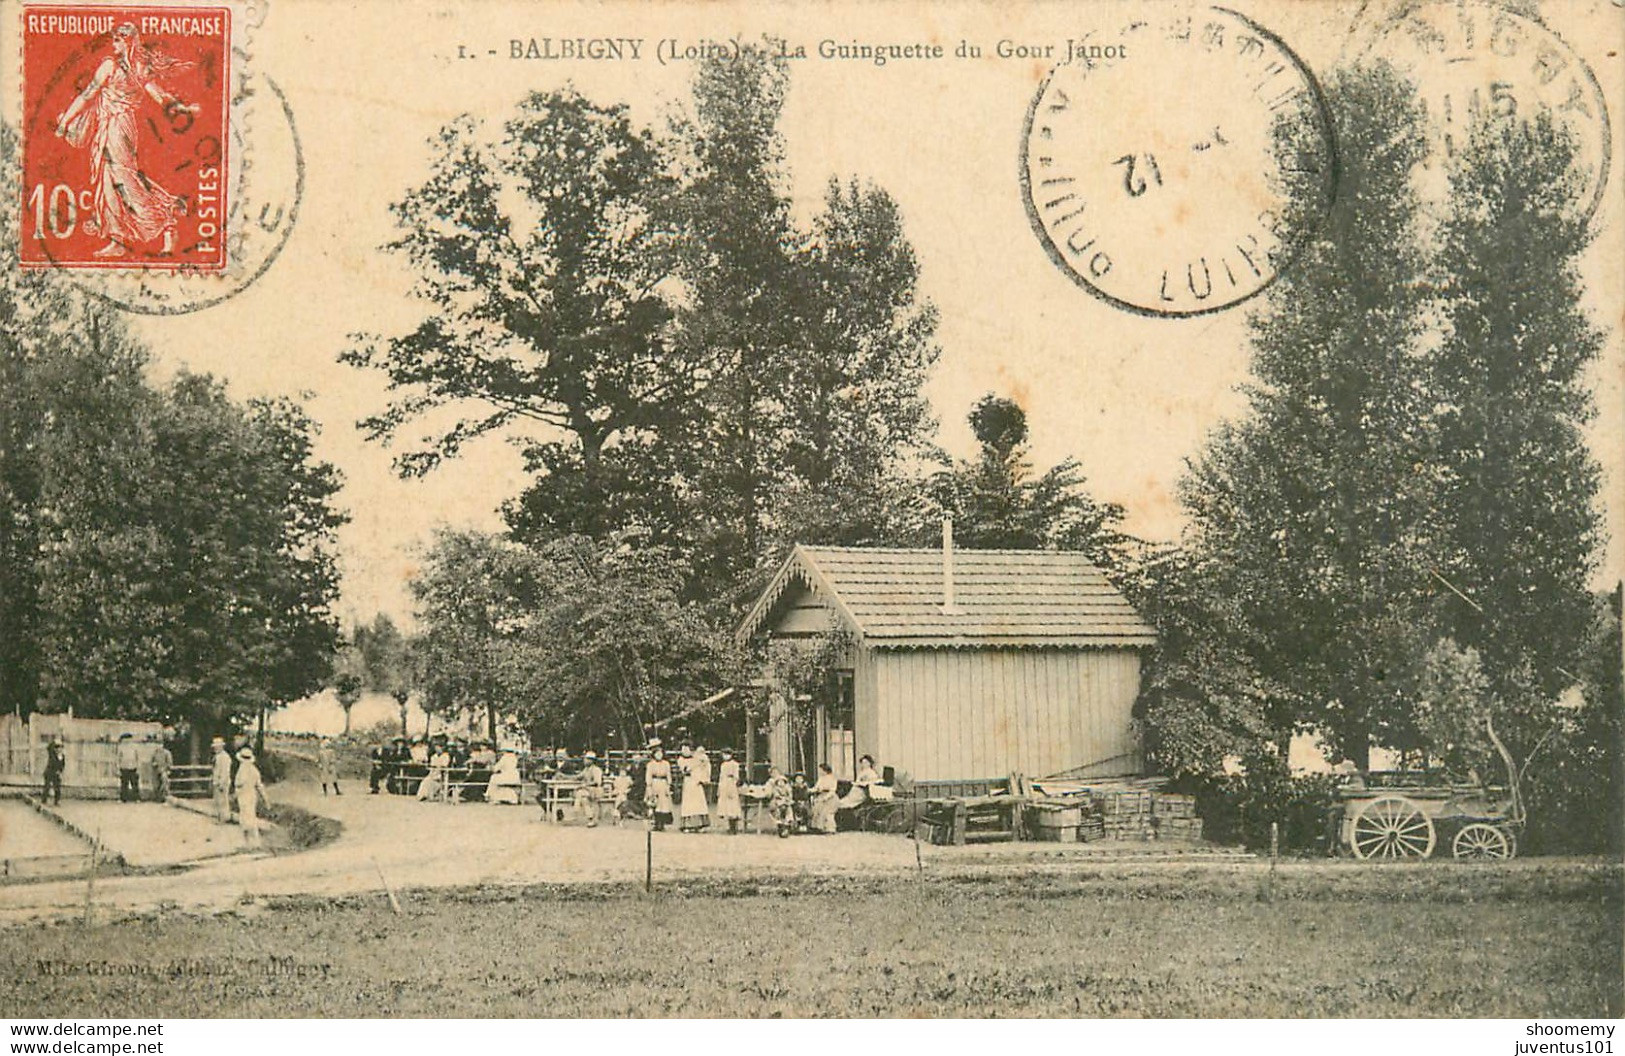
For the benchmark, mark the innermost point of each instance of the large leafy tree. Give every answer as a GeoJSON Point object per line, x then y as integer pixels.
{"type": "Point", "coordinates": [474, 595]}
{"type": "Point", "coordinates": [188, 568]}
{"type": "Point", "coordinates": [821, 342]}
{"type": "Point", "coordinates": [573, 639]}
{"type": "Point", "coordinates": [164, 553]}
{"type": "Point", "coordinates": [1515, 524]}
{"type": "Point", "coordinates": [613, 648]}
{"type": "Point", "coordinates": [546, 272]}
{"type": "Point", "coordinates": [1515, 519]}
{"type": "Point", "coordinates": [691, 362]}
{"type": "Point", "coordinates": [857, 419]}
{"type": "Point", "coordinates": [387, 662]}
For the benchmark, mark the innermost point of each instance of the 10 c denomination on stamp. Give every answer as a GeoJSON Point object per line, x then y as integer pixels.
{"type": "Point", "coordinates": [1152, 164]}
{"type": "Point", "coordinates": [126, 137]}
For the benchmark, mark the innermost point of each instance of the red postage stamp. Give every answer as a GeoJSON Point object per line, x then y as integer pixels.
{"type": "Point", "coordinates": [126, 111]}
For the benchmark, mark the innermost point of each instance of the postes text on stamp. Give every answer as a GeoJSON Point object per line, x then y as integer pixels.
{"type": "Point", "coordinates": [126, 137]}
{"type": "Point", "coordinates": [1153, 163]}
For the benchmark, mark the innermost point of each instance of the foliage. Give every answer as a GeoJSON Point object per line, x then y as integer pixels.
{"type": "Point", "coordinates": [542, 263]}
{"type": "Point", "coordinates": [694, 365]}
{"type": "Point", "coordinates": [809, 671]}
{"type": "Point", "coordinates": [386, 658]}
{"type": "Point", "coordinates": [1453, 701]}
{"type": "Point", "coordinates": [1310, 510]}
{"type": "Point", "coordinates": [165, 553]}
{"type": "Point", "coordinates": [997, 502]}
{"type": "Point", "coordinates": [1401, 527]}
{"type": "Point", "coordinates": [473, 594]}
{"type": "Point", "coordinates": [1239, 808]}
{"type": "Point", "coordinates": [1575, 785]}
{"type": "Point", "coordinates": [574, 639]}
{"type": "Point", "coordinates": [1202, 699]}
{"type": "Point", "coordinates": [611, 646]}
{"type": "Point", "coordinates": [1515, 521]}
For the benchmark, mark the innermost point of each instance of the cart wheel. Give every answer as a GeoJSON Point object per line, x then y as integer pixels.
{"type": "Point", "coordinates": [1479, 840]}
{"type": "Point", "coordinates": [1392, 827]}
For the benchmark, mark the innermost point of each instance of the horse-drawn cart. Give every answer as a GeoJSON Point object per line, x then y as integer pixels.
{"type": "Point", "coordinates": [1416, 815]}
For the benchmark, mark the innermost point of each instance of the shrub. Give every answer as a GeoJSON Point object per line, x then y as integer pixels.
{"type": "Point", "coordinates": [1239, 808]}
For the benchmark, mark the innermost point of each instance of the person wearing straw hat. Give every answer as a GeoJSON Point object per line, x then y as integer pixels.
{"type": "Point", "coordinates": [220, 780]}
{"type": "Point", "coordinates": [592, 786]}
{"type": "Point", "coordinates": [250, 796]}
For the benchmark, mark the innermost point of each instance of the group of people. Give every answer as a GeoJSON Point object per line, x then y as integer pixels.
{"type": "Point", "coordinates": [444, 769]}
{"type": "Point", "coordinates": [159, 761]}
{"type": "Point", "coordinates": [797, 807]}
{"type": "Point", "coordinates": [678, 789]}
{"type": "Point", "coordinates": [235, 775]}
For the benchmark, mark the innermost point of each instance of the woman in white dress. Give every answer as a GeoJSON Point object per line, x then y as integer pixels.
{"type": "Point", "coordinates": [433, 787]}
{"type": "Point", "coordinates": [696, 775]}
{"type": "Point", "coordinates": [657, 785]}
{"type": "Point", "coordinates": [824, 802]}
{"type": "Point", "coordinates": [866, 779]}
{"type": "Point", "coordinates": [250, 796]}
{"type": "Point", "coordinates": [728, 805]}
{"type": "Point", "coordinates": [504, 783]}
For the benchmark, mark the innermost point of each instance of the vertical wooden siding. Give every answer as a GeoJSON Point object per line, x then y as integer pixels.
{"type": "Point", "coordinates": [946, 714]}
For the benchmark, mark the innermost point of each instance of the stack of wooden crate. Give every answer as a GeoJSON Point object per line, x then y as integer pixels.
{"type": "Point", "coordinates": [1125, 813]}
{"type": "Point", "coordinates": [1175, 816]}
{"type": "Point", "coordinates": [1055, 822]}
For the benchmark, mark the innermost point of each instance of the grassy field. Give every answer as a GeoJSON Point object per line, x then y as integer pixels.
{"type": "Point", "coordinates": [1528, 939]}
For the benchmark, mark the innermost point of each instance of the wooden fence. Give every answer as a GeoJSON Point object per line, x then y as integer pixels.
{"type": "Point", "coordinates": [90, 748]}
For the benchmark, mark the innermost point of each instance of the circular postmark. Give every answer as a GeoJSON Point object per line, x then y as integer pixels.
{"type": "Point", "coordinates": [1171, 166]}
{"type": "Point", "coordinates": [270, 184]}
{"type": "Point", "coordinates": [1473, 61]}
{"type": "Point", "coordinates": [255, 170]}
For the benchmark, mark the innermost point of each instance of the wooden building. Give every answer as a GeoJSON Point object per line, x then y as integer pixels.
{"type": "Point", "coordinates": [963, 665]}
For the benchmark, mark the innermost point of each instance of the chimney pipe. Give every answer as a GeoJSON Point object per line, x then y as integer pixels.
{"type": "Point", "coordinates": [948, 605]}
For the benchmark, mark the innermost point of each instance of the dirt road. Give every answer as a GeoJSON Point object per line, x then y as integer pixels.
{"type": "Point", "coordinates": [420, 845]}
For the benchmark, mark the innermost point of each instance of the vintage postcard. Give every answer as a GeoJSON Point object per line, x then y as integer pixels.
{"type": "Point", "coordinates": [1107, 509]}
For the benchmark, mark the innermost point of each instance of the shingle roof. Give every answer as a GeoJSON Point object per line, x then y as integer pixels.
{"type": "Point", "coordinates": [1002, 597]}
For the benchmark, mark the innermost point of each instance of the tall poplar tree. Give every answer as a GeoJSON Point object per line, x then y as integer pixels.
{"type": "Point", "coordinates": [1307, 514]}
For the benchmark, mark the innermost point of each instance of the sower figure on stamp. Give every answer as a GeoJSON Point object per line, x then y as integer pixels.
{"type": "Point", "coordinates": [129, 208]}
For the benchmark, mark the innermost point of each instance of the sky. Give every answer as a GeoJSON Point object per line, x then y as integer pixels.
{"type": "Point", "coordinates": [1132, 397]}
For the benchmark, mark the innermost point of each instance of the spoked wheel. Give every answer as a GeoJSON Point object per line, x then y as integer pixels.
{"type": "Point", "coordinates": [1392, 827]}
{"type": "Point", "coordinates": [1479, 840]}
